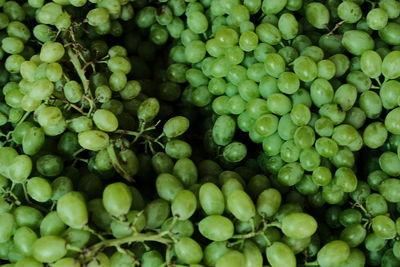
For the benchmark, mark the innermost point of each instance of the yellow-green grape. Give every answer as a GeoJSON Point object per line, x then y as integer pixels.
{"type": "Point", "coordinates": [232, 258]}
{"type": "Point", "coordinates": [51, 52]}
{"type": "Point", "coordinates": [333, 253]}
{"type": "Point", "coordinates": [9, 225]}
{"type": "Point", "coordinates": [67, 262]}
{"type": "Point", "coordinates": [93, 140]}
{"type": "Point", "coordinates": [20, 168]}
{"type": "Point", "coordinates": [24, 238]}
{"type": "Point", "coordinates": [176, 126]}
{"type": "Point", "coordinates": [117, 199]}
{"type": "Point", "coordinates": [105, 120]}
{"type": "Point", "coordinates": [211, 199]}
{"type": "Point", "coordinates": [252, 254]}
{"type": "Point", "coordinates": [279, 254]}
{"type": "Point", "coordinates": [299, 225]}
{"type": "Point", "coordinates": [184, 205]}
{"type": "Point", "coordinates": [72, 210]}
{"type": "Point", "coordinates": [390, 65]}
{"type": "Point", "coordinates": [241, 205]}
{"type": "Point", "coordinates": [39, 189]}
{"type": "Point", "coordinates": [49, 249]}
{"type": "Point", "coordinates": [384, 227]}
{"type": "Point", "coordinates": [268, 202]}
{"type": "Point", "coordinates": [188, 250]}
{"type": "Point", "coordinates": [216, 228]}
{"type": "Point", "coordinates": [392, 121]}
{"type": "Point", "coordinates": [148, 109]}
{"type": "Point", "coordinates": [317, 14]}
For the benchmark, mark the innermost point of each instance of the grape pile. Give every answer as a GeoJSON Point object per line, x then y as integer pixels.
{"type": "Point", "coordinates": [198, 133]}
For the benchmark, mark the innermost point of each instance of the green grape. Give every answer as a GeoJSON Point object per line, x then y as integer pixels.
{"type": "Point", "coordinates": [388, 189]}
{"type": "Point", "coordinates": [342, 63]}
{"type": "Point", "coordinates": [183, 228]}
{"type": "Point", "coordinates": [20, 168]}
{"type": "Point", "coordinates": [52, 224]}
{"type": "Point", "coordinates": [151, 258]}
{"type": "Point", "coordinates": [214, 251]}
{"type": "Point", "coordinates": [274, 64]}
{"type": "Point", "coordinates": [135, 222]}
{"type": "Point", "coordinates": [148, 109]}
{"type": "Point", "coordinates": [332, 193]}
{"type": "Point", "coordinates": [105, 120]}
{"type": "Point", "coordinates": [346, 179]}
{"type": "Point", "coordinates": [321, 92]}
{"type": "Point", "coordinates": [309, 159]}
{"type": "Point", "coordinates": [279, 254]}
{"type": "Point", "coordinates": [349, 12]}
{"type": "Point", "coordinates": [248, 41]}
{"type": "Point", "coordinates": [216, 228]}
{"type": "Point", "coordinates": [24, 237]}
{"type": "Point", "coordinates": [288, 26]}
{"type": "Point", "coordinates": [290, 174]}
{"type": "Point", "coordinates": [289, 151]}
{"type": "Point", "coordinates": [391, 121]}
{"type": "Point", "coordinates": [305, 68]}
{"type": "Point", "coordinates": [377, 18]}
{"type": "Point", "coordinates": [235, 152]}
{"type": "Point", "coordinates": [268, 33]}
{"type": "Point", "coordinates": [273, 7]}
{"type": "Point", "coordinates": [389, 33]}
{"type": "Point", "coordinates": [49, 165]}
{"type": "Point", "coordinates": [211, 199]}
{"type": "Point", "coordinates": [168, 186]}
{"type": "Point", "coordinates": [240, 205]}
{"type": "Point", "coordinates": [389, 65]}
{"type": "Point", "coordinates": [345, 96]}
{"type": "Point", "coordinates": [356, 258]}
{"type": "Point", "coordinates": [223, 130]}
{"type": "Point", "coordinates": [8, 223]}
{"type": "Point", "coordinates": [100, 260]}
{"type": "Point", "coordinates": [73, 91]}
{"type": "Point", "coordinates": [186, 171]}
{"type": "Point", "coordinates": [72, 210]}
{"type": "Point", "coordinates": [376, 204]}
{"type": "Point", "coordinates": [392, 8]}
{"type": "Point", "coordinates": [317, 15]}
{"type": "Point", "coordinates": [279, 104]}
{"type": "Point", "coordinates": [288, 82]}
{"type": "Point", "coordinates": [272, 144]}
{"type": "Point", "coordinates": [60, 186]}
{"type": "Point", "coordinates": [383, 226]}
{"type": "Point", "coordinates": [374, 243]}
{"type": "Point", "coordinates": [188, 250]}
{"type": "Point", "coordinates": [333, 253]}
{"type": "Point", "coordinates": [375, 135]}
{"type": "Point", "coordinates": [64, 262]}
{"type": "Point", "coordinates": [389, 93]}
{"type": "Point", "coordinates": [353, 235]}
{"type": "Point", "coordinates": [93, 140]}
{"type": "Point", "coordinates": [39, 189]}
{"type": "Point", "coordinates": [352, 40]}
{"type": "Point", "coordinates": [184, 204]}
{"type": "Point", "coordinates": [117, 199]}
{"type": "Point", "coordinates": [197, 22]}
{"type": "Point", "coordinates": [371, 63]}
{"type": "Point", "coordinates": [231, 258]}
{"type": "Point", "coordinates": [389, 163]}
{"type": "Point", "coordinates": [252, 254]}
{"type": "Point", "coordinates": [49, 249]}
{"type": "Point", "coordinates": [299, 225]}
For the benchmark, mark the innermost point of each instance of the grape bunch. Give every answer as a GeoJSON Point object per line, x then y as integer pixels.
{"type": "Point", "coordinates": [199, 133]}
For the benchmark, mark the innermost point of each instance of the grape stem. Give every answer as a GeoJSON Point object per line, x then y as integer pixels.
{"type": "Point", "coordinates": [128, 240]}
{"type": "Point", "coordinates": [117, 166]}
{"type": "Point", "coordinates": [78, 67]}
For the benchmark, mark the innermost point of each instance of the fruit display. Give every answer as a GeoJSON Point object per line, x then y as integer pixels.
{"type": "Point", "coordinates": [199, 133]}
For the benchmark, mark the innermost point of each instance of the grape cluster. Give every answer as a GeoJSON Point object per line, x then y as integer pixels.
{"type": "Point", "coordinates": [199, 133]}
